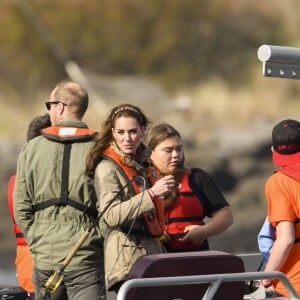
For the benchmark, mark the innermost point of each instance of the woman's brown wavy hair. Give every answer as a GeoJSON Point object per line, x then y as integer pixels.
{"type": "Point", "coordinates": [105, 137]}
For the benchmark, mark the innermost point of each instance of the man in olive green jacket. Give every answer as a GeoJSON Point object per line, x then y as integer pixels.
{"type": "Point", "coordinates": [55, 202]}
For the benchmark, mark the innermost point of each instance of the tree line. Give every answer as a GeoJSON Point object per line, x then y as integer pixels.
{"type": "Point", "coordinates": [175, 42]}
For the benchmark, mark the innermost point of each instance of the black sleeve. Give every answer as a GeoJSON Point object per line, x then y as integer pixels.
{"type": "Point", "coordinates": [207, 191]}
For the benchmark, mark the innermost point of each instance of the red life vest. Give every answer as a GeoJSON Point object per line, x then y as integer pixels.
{"type": "Point", "coordinates": [20, 240]}
{"type": "Point", "coordinates": [155, 227]}
{"type": "Point", "coordinates": [186, 210]}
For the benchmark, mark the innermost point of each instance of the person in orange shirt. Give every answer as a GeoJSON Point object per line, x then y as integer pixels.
{"type": "Point", "coordinates": [23, 261]}
{"type": "Point", "coordinates": [282, 190]}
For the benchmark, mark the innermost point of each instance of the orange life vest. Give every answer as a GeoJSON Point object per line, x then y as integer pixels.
{"type": "Point", "coordinates": [186, 210]}
{"type": "Point", "coordinates": [154, 226]}
{"type": "Point", "coordinates": [68, 134]}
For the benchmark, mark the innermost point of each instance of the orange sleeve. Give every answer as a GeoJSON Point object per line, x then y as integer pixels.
{"type": "Point", "coordinates": [280, 207]}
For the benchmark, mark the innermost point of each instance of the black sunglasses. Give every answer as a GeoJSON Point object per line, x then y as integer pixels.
{"type": "Point", "coordinates": [48, 104]}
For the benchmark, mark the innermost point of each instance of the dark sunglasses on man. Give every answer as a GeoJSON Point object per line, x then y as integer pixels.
{"type": "Point", "coordinates": [49, 103]}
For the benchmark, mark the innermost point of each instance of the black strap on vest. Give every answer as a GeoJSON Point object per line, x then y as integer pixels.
{"type": "Point", "coordinates": [64, 191]}
{"type": "Point", "coordinates": [19, 235]}
{"type": "Point", "coordinates": [75, 204]}
{"type": "Point", "coordinates": [181, 219]}
{"type": "Point", "coordinates": [186, 194]}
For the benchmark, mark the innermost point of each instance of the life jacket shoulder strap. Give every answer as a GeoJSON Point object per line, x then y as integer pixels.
{"type": "Point", "coordinates": [127, 172]}
{"type": "Point", "coordinates": [75, 204]}
{"type": "Point", "coordinates": [64, 192]}
{"type": "Point", "coordinates": [182, 219]}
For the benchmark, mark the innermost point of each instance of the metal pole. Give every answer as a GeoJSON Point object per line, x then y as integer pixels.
{"type": "Point", "coordinates": [279, 61]}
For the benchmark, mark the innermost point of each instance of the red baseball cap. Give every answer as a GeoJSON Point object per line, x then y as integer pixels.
{"type": "Point", "coordinates": [286, 143]}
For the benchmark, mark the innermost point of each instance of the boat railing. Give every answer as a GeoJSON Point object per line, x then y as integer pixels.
{"type": "Point", "coordinates": [214, 281]}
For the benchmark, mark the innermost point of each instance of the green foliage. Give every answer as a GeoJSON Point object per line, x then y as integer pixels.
{"type": "Point", "coordinates": [177, 42]}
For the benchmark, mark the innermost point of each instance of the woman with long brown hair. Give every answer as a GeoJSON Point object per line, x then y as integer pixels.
{"type": "Point", "coordinates": [194, 198]}
{"type": "Point", "coordinates": [117, 159]}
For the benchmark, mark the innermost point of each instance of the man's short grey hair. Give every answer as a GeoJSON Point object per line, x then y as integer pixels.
{"type": "Point", "coordinates": [74, 95]}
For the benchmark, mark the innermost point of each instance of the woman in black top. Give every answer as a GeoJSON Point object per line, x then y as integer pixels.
{"type": "Point", "coordinates": [195, 197]}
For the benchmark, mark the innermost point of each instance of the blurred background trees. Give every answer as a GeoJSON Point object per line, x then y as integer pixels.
{"type": "Point", "coordinates": [187, 62]}
{"type": "Point", "coordinates": [175, 42]}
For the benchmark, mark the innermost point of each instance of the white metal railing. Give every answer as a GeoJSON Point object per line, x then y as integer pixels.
{"type": "Point", "coordinates": [215, 281]}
